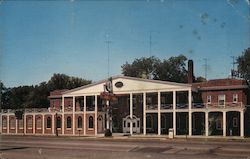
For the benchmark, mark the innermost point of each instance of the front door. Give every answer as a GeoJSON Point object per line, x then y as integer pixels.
{"type": "Point", "coordinates": [100, 124]}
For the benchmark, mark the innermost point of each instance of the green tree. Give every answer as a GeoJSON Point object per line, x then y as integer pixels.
{"type": "Point", "coordinates": [243, 62]}
{"type": "Point", "coordinates": [19, 97]}
{"type": "Point", "coordinates": [62, 81]}
{"type": "Point", "coordinates": [142, 68]}
{"type": "Point", "coordinates": [5, 96]}
{"type": "Point", "coordinates": [172, 69]}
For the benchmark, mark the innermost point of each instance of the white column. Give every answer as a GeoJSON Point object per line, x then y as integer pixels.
{"type": "Point", "coordinates": [206, 124]}
{"type": "Point", "coordinates": [144, 113]}
{"type": "Point", "coordinates": [242, 123]}
{"type": "Point", "coordinates": [53, 123]}
{"type": "Point", "coordinates": [62, 115]}
{"type": "Point", "coordinates": [190, 112]}
{"type": "Point", "coordinates": [43, 124]}
{"type": "Point", "coordinates": [34, 123]}
{"type": "Point", "coordinates": [159, 112]}
{"type": "Point", "coordinates": [131, 113]}
{"type": "Point", "coordinates": [174, 112]}
{"type": "Point", "coordinates": [224, 123]}
{"type": "Point", "coordinates": [84, 116]}
{"type": "Point", "coordinates": [1, 122]}
{"type": "Point", "coordinates": [96, 114]}
{"type": "Point", "coordinates": [107, 115]}
{"type": "Point", "coordinates": [73, 120]}
{"type": "Point", "coordinates": [16, 125]}
{"type": "Point", "coordinates": [8, 124]}
{"type": "Point", "coordinates": [24, 123]}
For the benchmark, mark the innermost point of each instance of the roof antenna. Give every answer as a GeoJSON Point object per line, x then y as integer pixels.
{"type": "Point", "coordinates": [108, 42]}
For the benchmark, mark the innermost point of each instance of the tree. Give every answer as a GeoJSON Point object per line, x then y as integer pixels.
{"type": "Point", "coordinates": [5, 96]}
{"type": "Point", "coordinates": [172, 69]}
{"type": "Point", "coordinates": [62, 81]}
{"type": "Point", "coordinates": [243, 62]}
{"type": "Point", "coordinates": [200, 79]}
{"type": "Point", "coordinates": [142, 68]}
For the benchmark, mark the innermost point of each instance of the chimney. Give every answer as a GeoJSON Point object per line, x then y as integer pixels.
{"type": "Point", "coordinates": [190, 71]}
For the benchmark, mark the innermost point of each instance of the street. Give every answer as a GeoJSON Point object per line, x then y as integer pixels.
{"type": "Point", "coordinates": [30, 147]}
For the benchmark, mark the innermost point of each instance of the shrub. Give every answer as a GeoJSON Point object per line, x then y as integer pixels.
{"type": "Point", "coordinates": [108, 133]}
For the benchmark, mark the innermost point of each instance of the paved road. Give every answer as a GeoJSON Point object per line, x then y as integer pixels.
{"type": "Point", "coordinates": [27, 147]}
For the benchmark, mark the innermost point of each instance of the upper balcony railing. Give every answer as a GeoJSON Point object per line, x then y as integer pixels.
{"type": "Point", "coordinates": [218, 106]}
{"type": "Point", "coordinates": [197, 106]}
{"type": "Point", "coordinates": [28, 110]}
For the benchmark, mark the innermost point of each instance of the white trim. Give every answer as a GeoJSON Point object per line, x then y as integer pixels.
{"type": "Point", "coordinates": [174, 112]}
{"type": "Point", "coordinates": [159, 111]}
{"type": "Point", "coordinates": [84, 115]}
{"type": "Point", "coordinates": [95, 126]}
{"type": "Point", "coordinates": [74, 109]}
{"type": "Point", "coordinates": [144, 113]}
{"type": "Point", "coordinates": [131, 112]}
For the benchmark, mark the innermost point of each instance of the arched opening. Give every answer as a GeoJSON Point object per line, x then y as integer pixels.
{"type": "Point", "coordinates": [48, 122]}
{"type": "Point", "coordinates": [79, 122]}
{"type": "Point", "coordinates": [58, 122]}
{"type": "Point", "coordinates": [91, 122]}
{"type": "Point", "coordinates": [68, 122]}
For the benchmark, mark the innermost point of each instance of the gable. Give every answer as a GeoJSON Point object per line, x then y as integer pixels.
{"type": "Point", "coordinates": [129, 84]}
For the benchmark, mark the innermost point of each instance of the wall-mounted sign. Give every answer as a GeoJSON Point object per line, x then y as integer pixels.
{"type": "Point", "coordinates": [119, 84]}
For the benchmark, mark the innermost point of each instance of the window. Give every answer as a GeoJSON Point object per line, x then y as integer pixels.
{"type": "Point", "coordinates": [138, 124]}
{"type": "Point", "coordinates": [235, 98]}
{"type": "Point", "coordinates": [29, 122]}
{"type": "Point", "coordinates": [39, 123]}
{"type": "Point", "coordinates": [133, 124]}
{"type": "Point", "coordinates": [68, 122]}
{"type": "Point", "coordinates": [235, 122]}
{"type": "Point", "coordinates": [4, 123]}
{"type": "Point", "coordinates": [149, 121]}
{"type": "Point", "coordinates": [209, 99]}
{"type": "Point", "coordinates": [58, 122]}
{"type": "Point", "coordinates": [128, 124]}
{"type": "Point", "coordinates": [48, 123]}
{"type": "Point", "coordinates": [91, 122]}
{"type": "Point", "coordinates": [163, 121]}
{"type": "Point", "coordinates": [20, 124]}
{"type": "Point", "coordinates": [12, 123]}
{"type": "Point", "coordinates": [79, 122]}
{"type": "Point", "coordinates": [221, 100]}
{"type": "Point", "coordinates": [219, 124]}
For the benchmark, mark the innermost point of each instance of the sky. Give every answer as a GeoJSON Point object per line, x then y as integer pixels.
{"type": "Point", "coordinates": [93, 39]}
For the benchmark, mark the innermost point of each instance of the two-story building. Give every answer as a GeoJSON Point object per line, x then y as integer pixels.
{"type": "Point", "coordinates": [140, 106]}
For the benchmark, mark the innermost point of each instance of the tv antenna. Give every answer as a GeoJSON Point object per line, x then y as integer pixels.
{"type": "Point", "coordinates": [205, 67]}
{"type": "Point", "coordinates": [151, 42]}
{"type": "Point", "coordinates": [108, 42]}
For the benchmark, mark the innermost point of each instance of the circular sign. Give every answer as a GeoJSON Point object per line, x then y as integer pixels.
{"type": "Point", "coordinates": [119, 84]}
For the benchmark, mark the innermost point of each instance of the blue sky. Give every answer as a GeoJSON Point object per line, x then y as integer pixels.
{"type": "Point", "coordinates": [39, 38]}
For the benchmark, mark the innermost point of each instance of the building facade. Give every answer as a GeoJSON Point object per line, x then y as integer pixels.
{"type": "Point", "coordinates": [140, 106]}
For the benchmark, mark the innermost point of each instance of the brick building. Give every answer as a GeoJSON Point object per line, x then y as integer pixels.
{"type": "Point", "coordinates": [141, 106]}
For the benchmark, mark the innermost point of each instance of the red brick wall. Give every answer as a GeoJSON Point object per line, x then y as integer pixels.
{"type": "Point", "coordinates": [4, 130]}
{"type": "Point", "coordinates": [88, 130]}
{"type": "Point", "coordinates": [80, 130]}
{"type": "Point", "coordinates": [59, 129]}
{"type": "Point", "coordinates": [38, 130]}
{"type": "Point", "coordinates": [68, 104]}
{"type": "Point", "coordinates": [228, 95]}
{"type": "Point", "coordinates": [47, 130]}
{"type": "Point", "coordinates": [28, 130]}
{"type": "Point", "coordinates": [68, 130]}
{"type": "Point", "coordinates": [19, 128]}
{"type": "Point", "coordinates": [12, 129]}
{"type": "Point", "coordinates": [57, 103]}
